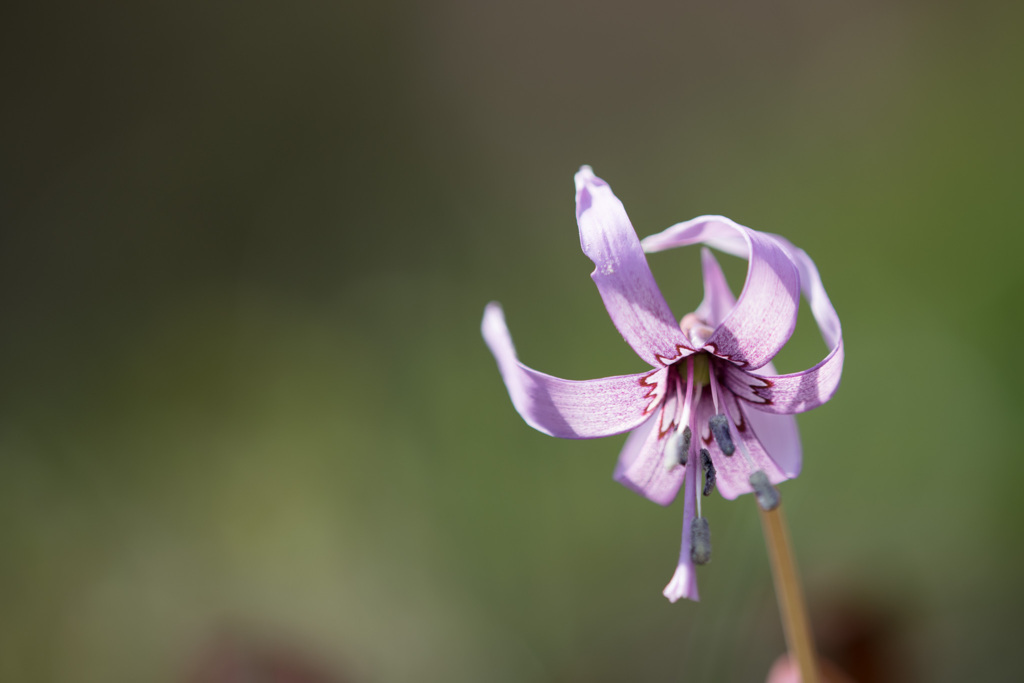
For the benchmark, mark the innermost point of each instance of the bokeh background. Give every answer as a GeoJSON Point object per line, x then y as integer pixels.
{"type": "Point", "coordinates": [248, 426]}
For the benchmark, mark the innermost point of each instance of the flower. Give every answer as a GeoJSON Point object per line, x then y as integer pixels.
{"type": "Point", "coordinates": [711, 401]}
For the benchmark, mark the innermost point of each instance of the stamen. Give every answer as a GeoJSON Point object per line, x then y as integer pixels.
{"type": "Point", "coordinates": [746, 454]}
{"type": "Point", "coordinates": [700, 541]}
{"type": "Point", "coordinates": [714, 386]}
{"type": "Point", "coordinates": [688, 400]}
{"type": "Point", "coordinates": [709, 471]}
{"type": "Point", "coordinates": [743, 447]}
{"type": "Point", "coordinates": [767, 495]}
{"type": "Point", "coordinates": [719, 425]}
{"type": "Point", "coordinates": [694, 400]}
{"type": "Point", "coordinates": [677, 449]}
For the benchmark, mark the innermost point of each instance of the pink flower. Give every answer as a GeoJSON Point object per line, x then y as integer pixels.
{"type": "Point", "coordinates": [711, 401]}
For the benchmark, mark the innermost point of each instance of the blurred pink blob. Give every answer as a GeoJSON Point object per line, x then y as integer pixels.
{"type": "Point", "coordinates": [785, 671]}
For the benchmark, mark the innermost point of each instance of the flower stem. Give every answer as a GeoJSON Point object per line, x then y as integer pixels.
{"type": "Point", "coordinates": [792, 607]}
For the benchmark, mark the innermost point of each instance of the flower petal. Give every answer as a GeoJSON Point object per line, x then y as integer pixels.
{"type": "Point", "coordinates": [763, 318]}
{"type": "Point", "coordinates": [718, 298]}
{"type": "Point", "coordinates": [734, 470]}
{"type": "Point", "coordinates": [814, 291]}
{"type": "Point", "coordinates": [684, 581]}
{"type": "Point", "coordinates": [787, 394]}
{"type": "Point", "coordinates": [778, 435]}
{"type": "Point", "coordinates": [800, 391]}
{"type": "Point", "coordinates": [641, 465]}
{"type": "Point", "coordinates": [622, 275]}
{"type": "Point", "coordinates": [566, 408]}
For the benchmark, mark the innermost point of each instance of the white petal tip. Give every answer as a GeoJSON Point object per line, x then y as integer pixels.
{"type": "Point", "coordinates": [675, 596]}
{"type": "Point", "coordinates": [682, 585]}
{"type": "Point", "coordinates": [584, 176]}
{"type": "Point", "coordinates": [493, 314]}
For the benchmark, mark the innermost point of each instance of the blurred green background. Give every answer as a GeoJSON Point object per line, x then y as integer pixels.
{"type": "Point", "coordinates": [247, 416]}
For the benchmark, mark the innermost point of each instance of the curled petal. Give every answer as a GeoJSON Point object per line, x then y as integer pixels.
{"type": "Point", "coordinates": [571, 409]}
{"type": "Point", "coordinates": [778, 435]}
{"type": "Point", "coordinates": [787, 394]}
{"type": "Point", "coordinates": [641, 465]}
{"type": "Point", "coordinates": [817, 298]}
{"type": "Point", "coordinates": [800, 391]}
{"type": "Point", "coordinates": [622, 275]}
{"type": "Point", "coordinates": [763, 318]}
{"type": "Point", "coordinates": [733, 471]}
{"type": "Point", "coordinates": [684, 581]}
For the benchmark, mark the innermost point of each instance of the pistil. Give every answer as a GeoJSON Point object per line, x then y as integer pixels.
{"type": "Point", "coordinates": [700, 530]}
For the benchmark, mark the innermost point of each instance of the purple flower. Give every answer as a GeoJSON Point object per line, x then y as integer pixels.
{"type": "Point", "coordinates": [711, 403]}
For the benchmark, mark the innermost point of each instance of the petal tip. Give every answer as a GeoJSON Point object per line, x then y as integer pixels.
{"type": "Point", "coordinates": [494, 314]}
{"type": "Point", "coordinates": [682, 585]}
{"type": "Point", "coordinates": [583, 175]}
{"type": "Point", "coordinates": [586, 180]}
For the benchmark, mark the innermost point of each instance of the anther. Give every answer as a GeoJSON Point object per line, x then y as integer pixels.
{"type": "Point", "coordinates": [709, 471]}
{"type": "Point", "coordinates": [700, 541]}
{"type": "Point", "coordinates": [677, 449]}
{"type": "Point", "coordinates": [720, 429]}
{"type": "Point", "coordinates": [684, 447]}
{"type": "Point", "coordinates": [767, 495]}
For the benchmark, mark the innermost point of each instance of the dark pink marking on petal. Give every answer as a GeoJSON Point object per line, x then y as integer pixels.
{"type": "Point", "coordinates": [641, 465]}
{"type": "Point", "coordinates": [763, 318]}
{"type": "Point", "coordinates": [793, 393]}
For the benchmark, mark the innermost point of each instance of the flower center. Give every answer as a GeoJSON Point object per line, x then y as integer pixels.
{"type": "Point", "coordinates": [701, 369]}
{"type": "Point", "coordinates": [694, 383]}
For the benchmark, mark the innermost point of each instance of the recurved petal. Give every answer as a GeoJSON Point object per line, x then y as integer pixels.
{"type": "Point", "coordinates": [778, 435]}
{"type": "Point", "coordinates": [684, 581]}
{"type": "Point", "coordinates": [794, 393]}
{"type": "Point", "coordinates": [800, 391]}
{"type": "Point", "coordinates": [566, 408]}
{"type": "Point", "coordinates": [734, 470]}
{"type": "Point", "coordinates": [763, 318]}
{"type": "Point", "coordinates": [622, 275]}
{"type": "Point", "coordinates": [814, 291]}
{"type": "Point", "coordinates": [641, 465]}
{"type": "Point", "coordinates": [718, 297]}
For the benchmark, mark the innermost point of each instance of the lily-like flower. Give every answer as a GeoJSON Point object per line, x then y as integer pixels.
{"type": "Point", "coordinates": [711, 401]}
